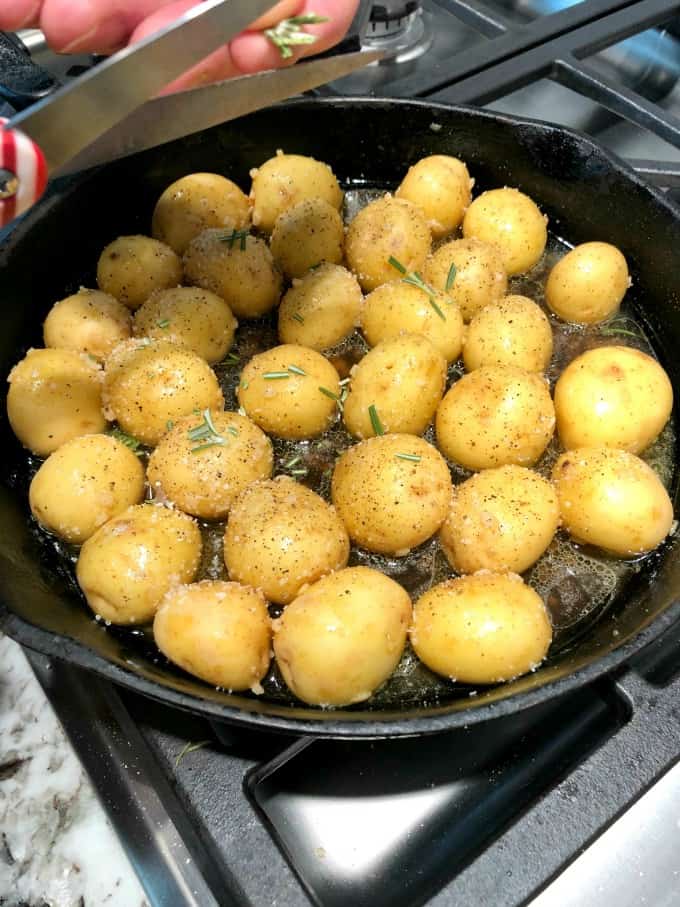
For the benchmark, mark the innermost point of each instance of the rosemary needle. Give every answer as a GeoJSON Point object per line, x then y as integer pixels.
{"type": "Point", "coordinates": [296, 370]}
{"type": "Point", "coordinates": [453, 270]}
{"type": "Point", "coordinates": [413, 458]}
{"type": "Point", "coordinates": [296, 316]}
{"type": "Point", "coordinates": [287, 33]}
{"type": "Point", "coordinates": [375, 420]}
{"type": "Point", "coordinates": [273, 376]}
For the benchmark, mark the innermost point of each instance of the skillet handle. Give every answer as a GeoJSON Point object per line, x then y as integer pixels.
{"type": "Point", "coordinates": [23, 173]}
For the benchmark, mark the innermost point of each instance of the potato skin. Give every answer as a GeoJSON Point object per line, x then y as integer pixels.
{"type": "Point", "coordinates": [500, 519]}
{"type": "Point", "coordinates": [612, 499]}
{"type": "Point", "coordinates": [197, 202]}
{"type": "Point", "coordinates": [220, 632]}
{"type": "Point", "coordinates": [404, 379]}
{"type": "Point", "coordinates": [513, 331]}
{"type": "Point", "coordinates": [54, 395]}
{"type": "Point", "coordinates": [246, 278]}
{"type": "Point", "coordinates": [339, 640]}
{"type": "Point", "coordinates": [480, 274]}
{"type": "Point", "coordinates": [306, 234]}
{"type": "Point", "coordinates": [387, 227]}
{"type": "Point", "coordinates": [88, 321]}
{"type": "Point", "coordinates": [321, 308]}
{"type": "Point", "coordinates": [132, 267]}
{"type": "Point", "coordinates": [588, 284]}
{"type": "Point", "coordinates": [128, 565]}
{"type": "Point", "coordinates": [397, 308]}
{"type": "Point", "coordinates": [612, 396]}
{"type": "Point", "coordinates": [281, 536]}
{"type": "Point", "coordinates": [195, 318]}
{"type": "Point", "coordinates": [206, 482]}
{"type": "Point", "coordinates": [494, 416]}
{"type": "Point", "coordinates": [389, 504]}
{"type": "Point", "coordinates": [84, 483]}
{"type": "Point", "coordinates": [285, 180]}
{"type": "Point", "coordinates": [291, 407]}
{"type": "Point", "coordinates": [148, 383]}
{"type": "Point", "coordinates": [441, 186]}
{"type": "Point", "coordinates": [511, 220]}
{"type": "Point", "coordinates": [484, 628]}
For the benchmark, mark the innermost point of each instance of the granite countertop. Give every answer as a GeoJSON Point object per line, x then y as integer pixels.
{"type": "Point", "coordinates": [57, 847]}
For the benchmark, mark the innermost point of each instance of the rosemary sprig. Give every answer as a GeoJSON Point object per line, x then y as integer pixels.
{"type": "Point", "coordinates": [414, 279]}
{"type": "Point", "coordinates": [339, 401]}
{"type": "Point", "coordinates": [296, 316]}
{"type": "Point", "coordinates": [163, 323]}
{"type": "Point", "coordinates": [232, 358]}
{"type": "Point", "coordinates": [127, 440]}
{"type": "Point", "coordinates": [453, 270]}
{"type": "Point", "coordinates": [239, 236]}
{"type": "Point", "coordinates": [190, 748]}
{"type": "Point", "coordinates": [413, 458]}
{"type": "Point", "coordinates": [292, 464]}
{"type": "Point", "coordinates": [287, 33]}
{"type": "Point", "coordinates": [375, 420]}
{"type": "Point", "coordinates": [206, 434]}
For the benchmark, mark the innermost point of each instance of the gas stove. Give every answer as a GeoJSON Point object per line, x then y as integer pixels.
{"type": "Point", "coordinates": [571, 804]}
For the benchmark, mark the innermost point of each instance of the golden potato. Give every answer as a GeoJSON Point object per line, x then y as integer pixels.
{"type": "Point", "coordinates": [89, 321]}
{"type": "Point", "coordinates": [339, 640]}
{"type": "Point", "coordinates": [281, 536]}
{"type": "Point", "coordinates": [128, 565]}
{"type": "Point", "coordinates": [132, 267]}
{"type": "Point", "coordinates": [54, 395]}
{"type": "Point", "coordinates": [392, 492]}
{"type": "Point", "coordinates": [494, 416]}
{"type": "Point", "coordinates": [588, 284]}
{"type": "Point", "coordinates": [511, 220]}
{"type": "Point", "coordinates": [220, 632]}
{"type": "Point", "coordinates": [148, 383]}
{"type": "Point", "coordinates": [290, 392]}
{"type": "Point", "coordinates": [204, 462]}
{"type": "Point", "coordinates": [402, 380]}
{"type": "Point", "coordinates": [513, 331]}
{"type": "Point", "coordinates": [238, 267]}
{"type": "Point", "coordinates": [484, 628]}
{"type": "Point", "coordinates": [321, 308]}
{"type": "Point", "coordinates": [386, 228]}
{"type": "Point", "coordinates": [285, 180]}
{"type": "Point", "coordinates": [612, 396]}
{"type": "Point", "coordinates": [195, 203]}
{"type": "Point", "coordinates": [397, 308]}
{"type": "Point", "coordinates": [500, 519]}
{"type": "Point", "coordinates": [307, 234]}
{"type": "Point", "coordinates": [473, 270]}
{"type": "Point", "coordinates": [441, 186]}
{"type": "Point", "coordinates": [612, 499]}
{"type": "Point", "coordinates": [84, 483]}
{"type": "Point", "coordinates": [195, 318]}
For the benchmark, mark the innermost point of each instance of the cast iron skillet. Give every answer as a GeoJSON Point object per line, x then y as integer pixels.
{"type": "Point", "coordinates": [586, 192]}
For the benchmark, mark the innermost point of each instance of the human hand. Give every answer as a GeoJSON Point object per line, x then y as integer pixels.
{"type": "Point", "coordinates": [103, 26]}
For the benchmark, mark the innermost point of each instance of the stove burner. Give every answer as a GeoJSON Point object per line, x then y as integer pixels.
{"type": "Point", "coordinates": [398, 28]}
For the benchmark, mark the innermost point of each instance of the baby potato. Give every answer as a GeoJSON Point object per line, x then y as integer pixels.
{"type": "Point", "coordinates": [242, 271]}
{"type": "Point", "coordinates": [441, 186]}
{"type": "Point", "coordinates": [494, 416]}
{"type": "Point", "coordinates": [148, 383]}
{"type": "Point", "coordinates": [220, 632]}
{"type": "Point", "coordinates": [484, 628]}
{"type": "Point", "coordinates": [306, 234]}
{"type": "Point", "coordinates": [285, 180]}
{"type": "Point", "coordinates": [339, 640]}
{"type": "Point", "coordinates": [386, 228]}
{"type": "Point", "coordinates": [128, 565]}
{"type": "Point", "coordinates": [511, 220]}
{"type": "Point", "coordinates": [392, 492]}
{"type": "Point", "coordinates": [205, 480]}
{"type": "Point", "coordinates": [132, 267]}
{"type": "Point", "coordinates": [397, 308]}
{"type": "Point", "coordinates": [54, 395]}
{"type": "Point", "coordinates": [84, 483]}
{"type": "Point", "coordinates": [612, 499]}
{"type": "Point", "coordinates": [321, 308]}
{"type": "Point", "coordinates": [612, 396]}
{"type": "Point", "coordinates": [403, 380]}
{"type": "Point", "coordinates": [477, 272]}
{"type": "Point", "coordinates": [588, 284]}
{"type": "Point", "coordinates": [195, 203]}
{"type": "Point", "coordinates": [500, 519]}
{"type": "Point", "coordinates": [89, 321]}
{"type": "Point", "coordinates": [195, 318]}
{"type": "Point", "coordinates": [290, 392]}
{"type": "Point", "coordinates": [513, 331]}
{"type": "Point", "coordinates": [281, 536]}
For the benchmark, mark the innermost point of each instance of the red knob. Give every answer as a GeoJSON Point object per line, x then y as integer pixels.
{"type": "Point", "coordinates": [23, 173]}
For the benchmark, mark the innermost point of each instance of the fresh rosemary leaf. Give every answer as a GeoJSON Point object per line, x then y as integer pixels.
{"type": "Point", "coordinates": [235, 236]}
{"type": "Point", "coordinates": [451, 277]}
{"type": "Point", "coordinates": [413, 458]}
{"type": "Point", "coordinates": [296, 316]}
{"type": "Point", "coordinates": [296, 370]}
{"type": "Point", "coordinates": [163, 323]}
{"type": "Point", "coordinates": [232, 358]}
{"type": "Point", "coordinates": [436, 308]}
{"type": "Point", "coordinates": [215, 442]}
{"type": "Point", "coordinates": [190, 748]}
{"type": "Point", "coordinates": [287, 33]}
{"type": "Point", "coordinates": [375, 420]}
{"type": "Point", "coordinates": [273, 376]}
{"type": "Point", "coordinates": [329, 393]}
{"type": "Point", "coordinates": [396, 264]}
{"type": "Point", "coordinates": [126, 439]}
